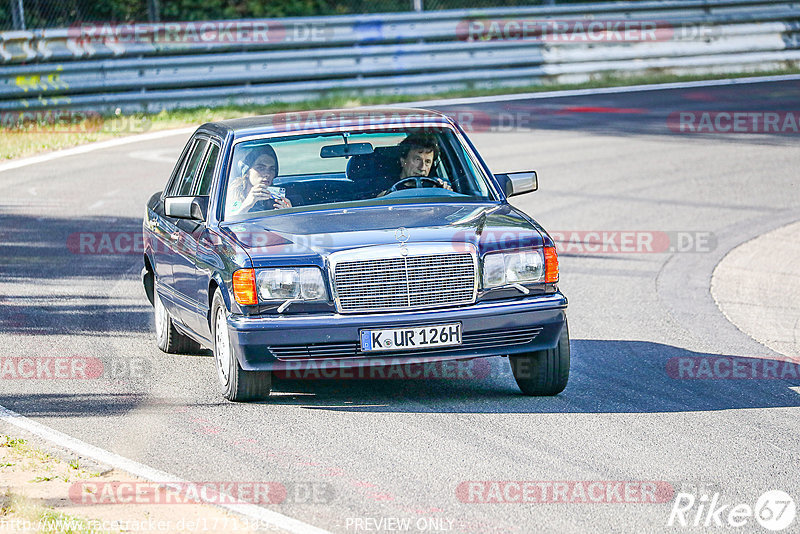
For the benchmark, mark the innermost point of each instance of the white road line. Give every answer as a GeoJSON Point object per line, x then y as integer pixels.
{"type": "Point", "coordinates": [598, 91]}
{"type": "Point", "coordinates": [159, 156]}
{"type": "Point", "coordinates": [264, 516]}
{"type": "Point", "coordinates": [91, 147]}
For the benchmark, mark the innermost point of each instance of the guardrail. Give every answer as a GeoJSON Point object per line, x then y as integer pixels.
{"type": "Point", "coordinates": [148, 67]}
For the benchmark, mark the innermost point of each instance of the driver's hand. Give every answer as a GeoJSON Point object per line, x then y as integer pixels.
{"type": "Point", "coordinates": [444, 184]}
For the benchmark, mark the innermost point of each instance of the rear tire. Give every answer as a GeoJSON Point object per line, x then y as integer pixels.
{"type": "Point", "coordinates": [169, 339]}
{"type": "Point", "coordinates": [237, 384]}
{"type": "Point", "coordinates": [543, 372]}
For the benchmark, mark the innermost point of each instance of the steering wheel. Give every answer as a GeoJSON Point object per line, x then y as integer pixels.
{"type": "Point", "coordinates": [418, 181]}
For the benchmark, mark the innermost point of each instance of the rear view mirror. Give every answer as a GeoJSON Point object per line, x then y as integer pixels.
{"type": "Point", "coordinates": [518, 183]}
{"type": "Point", "coordinates": [195, 208]}
{"type": "Point", "coordinates": [346, 150]}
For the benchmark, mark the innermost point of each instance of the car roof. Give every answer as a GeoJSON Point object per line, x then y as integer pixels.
{"type": "Point", "coordinates": [346, 119]}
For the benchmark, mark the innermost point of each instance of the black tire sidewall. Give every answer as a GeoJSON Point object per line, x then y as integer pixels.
{"type": "Point", "coordinates": [537, 381]}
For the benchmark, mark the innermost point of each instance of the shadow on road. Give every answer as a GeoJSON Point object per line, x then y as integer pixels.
{"type": "Point", "coordinates": [655, 113]}
{"type": "Point", "coordinates": [606, 377]}
{"type": "Point", "coordinates": [57, 275]}
{"type": "Point", "coordinates": [75, 405]}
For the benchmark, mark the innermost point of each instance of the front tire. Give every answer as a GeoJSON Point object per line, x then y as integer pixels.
{"type": "Point", "coordinates": [170, 340]}
{"type": "Point", "coordinates": [237, 384]}
{"type": "Point", "coordinates": [543, 372]}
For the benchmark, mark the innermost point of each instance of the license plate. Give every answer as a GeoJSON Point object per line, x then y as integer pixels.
{"type": "Point", "coordinates": [411, 338]}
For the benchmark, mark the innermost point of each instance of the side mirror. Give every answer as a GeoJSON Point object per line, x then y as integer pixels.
{"type": "Point", "coordinates": [518, 183]}
{"type": "Point", "coordinates": [194, 208]}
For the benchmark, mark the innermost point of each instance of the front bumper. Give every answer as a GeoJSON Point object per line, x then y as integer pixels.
{"type": "Point", "coordinates": [489, 329]}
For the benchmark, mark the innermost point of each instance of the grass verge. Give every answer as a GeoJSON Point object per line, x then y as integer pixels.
{"type": "Point", "coordinates": [53, 132]}
{"type": "Point", "coordinates": [40, 492]}
{"type": "Point", "coordinates": [23, 514]}
{"type": "Point", "coordinates": [27, 456]}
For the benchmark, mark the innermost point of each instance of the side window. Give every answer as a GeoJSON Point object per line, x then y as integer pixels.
{"type": "Point", "coordinates": [208, 170]}
{"type": "Point", "coordinates": [173, 178]}
{"type": "Point", "coordinates": [183, 185]}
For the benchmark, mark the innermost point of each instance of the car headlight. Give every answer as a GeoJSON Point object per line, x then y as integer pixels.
{"type": "Point", "coordinates": [304, 283]}
{"type": "Point", "coordinates": [502, 268]}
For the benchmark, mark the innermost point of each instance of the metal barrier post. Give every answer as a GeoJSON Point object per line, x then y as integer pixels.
{"type": "Point", "coordinates": [17, 14]}
{"type": "Point", "coordinates": [153, 10]}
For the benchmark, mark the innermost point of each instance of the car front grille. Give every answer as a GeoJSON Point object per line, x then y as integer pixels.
{"type": "Point", "coordinates": [408, 282]}
{"type": "Point", "coordinates": [470, 341]}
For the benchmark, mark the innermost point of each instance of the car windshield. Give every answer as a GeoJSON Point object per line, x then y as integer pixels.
{"type": "Point", "coordinates": [354, 168]}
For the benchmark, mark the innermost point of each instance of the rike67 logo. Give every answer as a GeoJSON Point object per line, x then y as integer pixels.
{"type": "Point", "coordinates": [774, 510]}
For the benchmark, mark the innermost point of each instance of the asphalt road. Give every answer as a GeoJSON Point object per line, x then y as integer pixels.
{"type": "Point", "coordinates": [400, 448]}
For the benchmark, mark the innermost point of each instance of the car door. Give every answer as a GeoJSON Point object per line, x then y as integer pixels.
{"type": "Point", "coordinates": [172, 255]}
{"type": "Point", "coordinates": [191, 280]}
{"type": "Point", "coordinates": [159, 230]}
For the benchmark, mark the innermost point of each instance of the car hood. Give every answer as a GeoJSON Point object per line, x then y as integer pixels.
{"type": "Point", "coordinates": [320, 233]}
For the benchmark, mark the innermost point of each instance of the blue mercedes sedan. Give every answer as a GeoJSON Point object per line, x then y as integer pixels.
{"type": "Point", "coordinates": [352, 239]}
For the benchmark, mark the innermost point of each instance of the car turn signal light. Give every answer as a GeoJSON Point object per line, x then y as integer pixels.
{"type": "Point", "coordinates": [550, 265]}
{"type": "Point", "coordinates": [244, 287]}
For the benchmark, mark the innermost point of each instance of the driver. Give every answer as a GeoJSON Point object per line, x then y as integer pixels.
{"type": "Point", "coordinates": [418, 152]}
